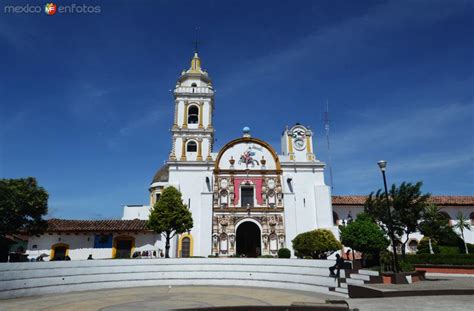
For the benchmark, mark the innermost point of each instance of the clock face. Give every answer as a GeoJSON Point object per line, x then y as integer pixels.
{"type": "Point", "coordinates": [224, 183]}
{"type": "Point", "coordinates": [271, 184]}
{"type": "Point", "coordinates": [299, 144]}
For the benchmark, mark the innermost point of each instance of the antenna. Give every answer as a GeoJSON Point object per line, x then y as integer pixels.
{"type": "Point", "coordinates": [196, 42]}
{"type": "Point", "coordinates": [326, 128]}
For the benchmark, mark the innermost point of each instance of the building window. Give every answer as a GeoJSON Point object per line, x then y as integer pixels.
{"type": "Point", "coordinates": [191, 146]}
{"type": "Point", "coordinates": [194, 85]}
{"type": "Point", "coordinates": [413, 246]}
{"type": "Point", "coordinates": [157, 196]}
{"type": "Point", "coordinates": [193, 114]}
{"type": "Point", "coordinates": [335, 219]}
{"type": "Point", "coordinates": [247, 196]}
{"type": "Point", "coordinates": [103, 241]}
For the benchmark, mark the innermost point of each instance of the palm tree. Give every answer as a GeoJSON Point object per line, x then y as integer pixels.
{"type": "Point", "coordinates": [433, 223]}
{"type": "Point", "coordinates": [461, 224]}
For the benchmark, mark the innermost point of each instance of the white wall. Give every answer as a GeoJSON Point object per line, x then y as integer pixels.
{"type": "Point", "coordinates": [82, 245]}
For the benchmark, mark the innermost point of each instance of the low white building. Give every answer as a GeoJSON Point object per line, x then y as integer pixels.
{"type": "Point", "coordinates": [100, 239]}
{"type": "Point", "coordinates": [346, 209]}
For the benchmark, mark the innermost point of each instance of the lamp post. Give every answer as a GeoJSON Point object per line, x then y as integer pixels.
{"type": "Point", "coordinates": [382, 165]}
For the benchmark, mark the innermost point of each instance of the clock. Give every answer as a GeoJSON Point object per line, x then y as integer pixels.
{"type": "Point", "coordinates": [299, 144]}
{"type": "Point", "coordinates": [224, 183]}
{"type": "Point", "coordinates": [271, 184]}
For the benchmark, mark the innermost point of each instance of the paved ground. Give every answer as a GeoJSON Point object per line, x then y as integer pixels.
{"type": "Point", "coordinates": [432, 282]}
{"type": "Point", "coordinates": [164, 298]}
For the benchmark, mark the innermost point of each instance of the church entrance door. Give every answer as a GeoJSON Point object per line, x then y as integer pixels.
{"type": "Point", "coordinates": [248, 239]}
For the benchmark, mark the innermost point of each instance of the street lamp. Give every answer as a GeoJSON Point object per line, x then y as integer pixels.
{"type": "Point", "coordinates": [382, 165]}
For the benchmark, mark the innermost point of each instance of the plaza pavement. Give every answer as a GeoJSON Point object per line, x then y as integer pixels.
{"type": "Point", "coordinates": [165, 298]}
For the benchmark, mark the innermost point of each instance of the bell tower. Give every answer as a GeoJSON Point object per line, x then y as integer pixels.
{"type": "Point", "coordinates": [193, 133]}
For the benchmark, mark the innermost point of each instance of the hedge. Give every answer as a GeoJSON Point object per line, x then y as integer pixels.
{"type": "Point", "coordinates": [441, 259]}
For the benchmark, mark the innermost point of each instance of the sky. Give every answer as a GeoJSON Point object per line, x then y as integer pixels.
{"type": "Point", "coordinates": [86, 106]}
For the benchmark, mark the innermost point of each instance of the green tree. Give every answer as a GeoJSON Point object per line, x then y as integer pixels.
{"type": "Point", "coordinates": [170, 216]}
{"type": "Point", "coordinates": [22, 206]}
{"type": "Point", "coordinates": [463, 223]}
{"type": "Point", "coordinates": [407, 203]}
{"type": "Point", "coordinates": [433, 224]}
{"type": "Point", "coordinates": [364, 235]}
{"type": "Point", "coordinates": [316, 243]}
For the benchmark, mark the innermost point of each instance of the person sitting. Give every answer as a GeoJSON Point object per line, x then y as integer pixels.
{"type": "Point", "coordinates": [90, 257]}
{"type": "Point", "coordinates": [339, 265]}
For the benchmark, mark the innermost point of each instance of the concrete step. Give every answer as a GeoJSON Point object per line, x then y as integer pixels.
{"type": "Point", "coordinates": [360, 277]}
{"type": "Point", "coordinates": [342, 290]}
{"type": "Point", "coordinates": [369, 272]}
{"type": "Point", "coordinates": [343, 285]}
{"type": "Point", "coordinates": [355, 282]}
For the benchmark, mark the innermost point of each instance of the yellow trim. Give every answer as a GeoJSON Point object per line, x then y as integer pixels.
{"type": "Point", "coordinates": [191, 244]}
{"type": "Point", "coordinates": [199, 155]}
{"type": "Point", "coordinates": [122, 237]}
{"type": "Point", "coordinates": [247, 140]}
{"type": "Point", "coordinates": [185, 121]}
{"type": "Point", "coordinates": [53, 250]}
{"type": "Point", "coordinates": [290, 148]}
{"type": "Point", "coordinates": [183, 149]}
{"type": "Point", "coordinates": [201, 108]}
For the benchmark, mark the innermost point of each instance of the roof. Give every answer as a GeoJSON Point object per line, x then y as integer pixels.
{"type": "Point", "coordinates": [161, 175]}
{"type": "Point", "coordinates": [447, 200]}
{"type": "Point", "coordinates": [68, 225]}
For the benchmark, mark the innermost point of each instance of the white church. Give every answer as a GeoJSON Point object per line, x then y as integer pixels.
{"type": "Point", "coordinates": [246, 199]}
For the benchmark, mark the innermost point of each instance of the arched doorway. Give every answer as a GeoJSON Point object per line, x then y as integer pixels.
{"type": "Point", "coordinates": [185, 247]}
{"type": "Point", "coordinates": [123, 247]}
{"type": "Point", "coordinates": [248, 239]}
{"type": "Point", "coordinates": [59, 251]}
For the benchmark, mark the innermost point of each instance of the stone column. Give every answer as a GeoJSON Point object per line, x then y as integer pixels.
{"type": "Point", "coordinates": [201, 107]}
{"type": "Point", "coordinates": [199, 154]}
{"type": "Point", "coordinates": [185, 121]}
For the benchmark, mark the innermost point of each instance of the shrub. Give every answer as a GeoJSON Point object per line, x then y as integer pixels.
{"type": "Point", "coordinates": [449, 250]}
{"type": "Point", "coordinates": [424, 247]}
{"type": "Point", "coordinates": [284, 253]}
{"type": "Point", "coordinates": [406, 266]}
{"type": "Point", "coordinates": [266, 256]}
{"type": "Point", "coordinates": [307, 257]}
{"type": "Point", "coordinates": [441, 259]}
{"type": "Point", "coordinates": [315, 243]}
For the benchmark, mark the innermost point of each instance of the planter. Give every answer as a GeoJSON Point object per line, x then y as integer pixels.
{"type": "Point", "coordinates": [403, 277]}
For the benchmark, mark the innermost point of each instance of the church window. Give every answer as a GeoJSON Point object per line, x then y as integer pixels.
{"type": "Point", "coordinates": [191, 146]}
{"type": "Point", "coordinates": [247, 196]}
{"type": "Point", "coordinates": [194, 85]}
{"type": "Point", "coordinates": [193, 114]}
{"type": "Point", "coordinates": [157, 197]}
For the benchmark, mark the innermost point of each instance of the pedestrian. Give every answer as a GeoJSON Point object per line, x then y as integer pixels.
{"type": "Point", "coordinates": [339, 265]}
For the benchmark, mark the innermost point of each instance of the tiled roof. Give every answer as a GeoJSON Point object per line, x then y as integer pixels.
{"type": "Point", "coordinates": [67, 225]}
{"type": "Point", "coordinates": [447, 200]}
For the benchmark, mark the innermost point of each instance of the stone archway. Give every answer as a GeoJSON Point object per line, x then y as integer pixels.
{"type": "Point", "coordinates": [248, 240]}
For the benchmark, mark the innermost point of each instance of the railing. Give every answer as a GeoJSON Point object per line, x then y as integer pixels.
{"type": "Point", "coordinates": [195, 90]}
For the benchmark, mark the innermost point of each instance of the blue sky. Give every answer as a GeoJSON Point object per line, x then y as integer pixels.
{"type": "Point", "coordinates": [86, 107]}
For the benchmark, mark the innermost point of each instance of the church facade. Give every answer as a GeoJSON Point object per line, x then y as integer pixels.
{"type": "Point", "coordinates": [246, 199]}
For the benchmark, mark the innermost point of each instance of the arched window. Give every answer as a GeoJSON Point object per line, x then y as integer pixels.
{"type": "Point", "coordinates": [471, 216]}
{"type": "Point", "coordinates": [194, 85]}
{"type": "Point", "coordinates": [191, 146]}
{"type": "Point", "coordinates": [335, 219]}
{"type": "Point", "coordinates": [59, 251]}
{"type": "Point", "coordinates": [193, 114]}
{"type": "Point", "coordinates": [413, 246]}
